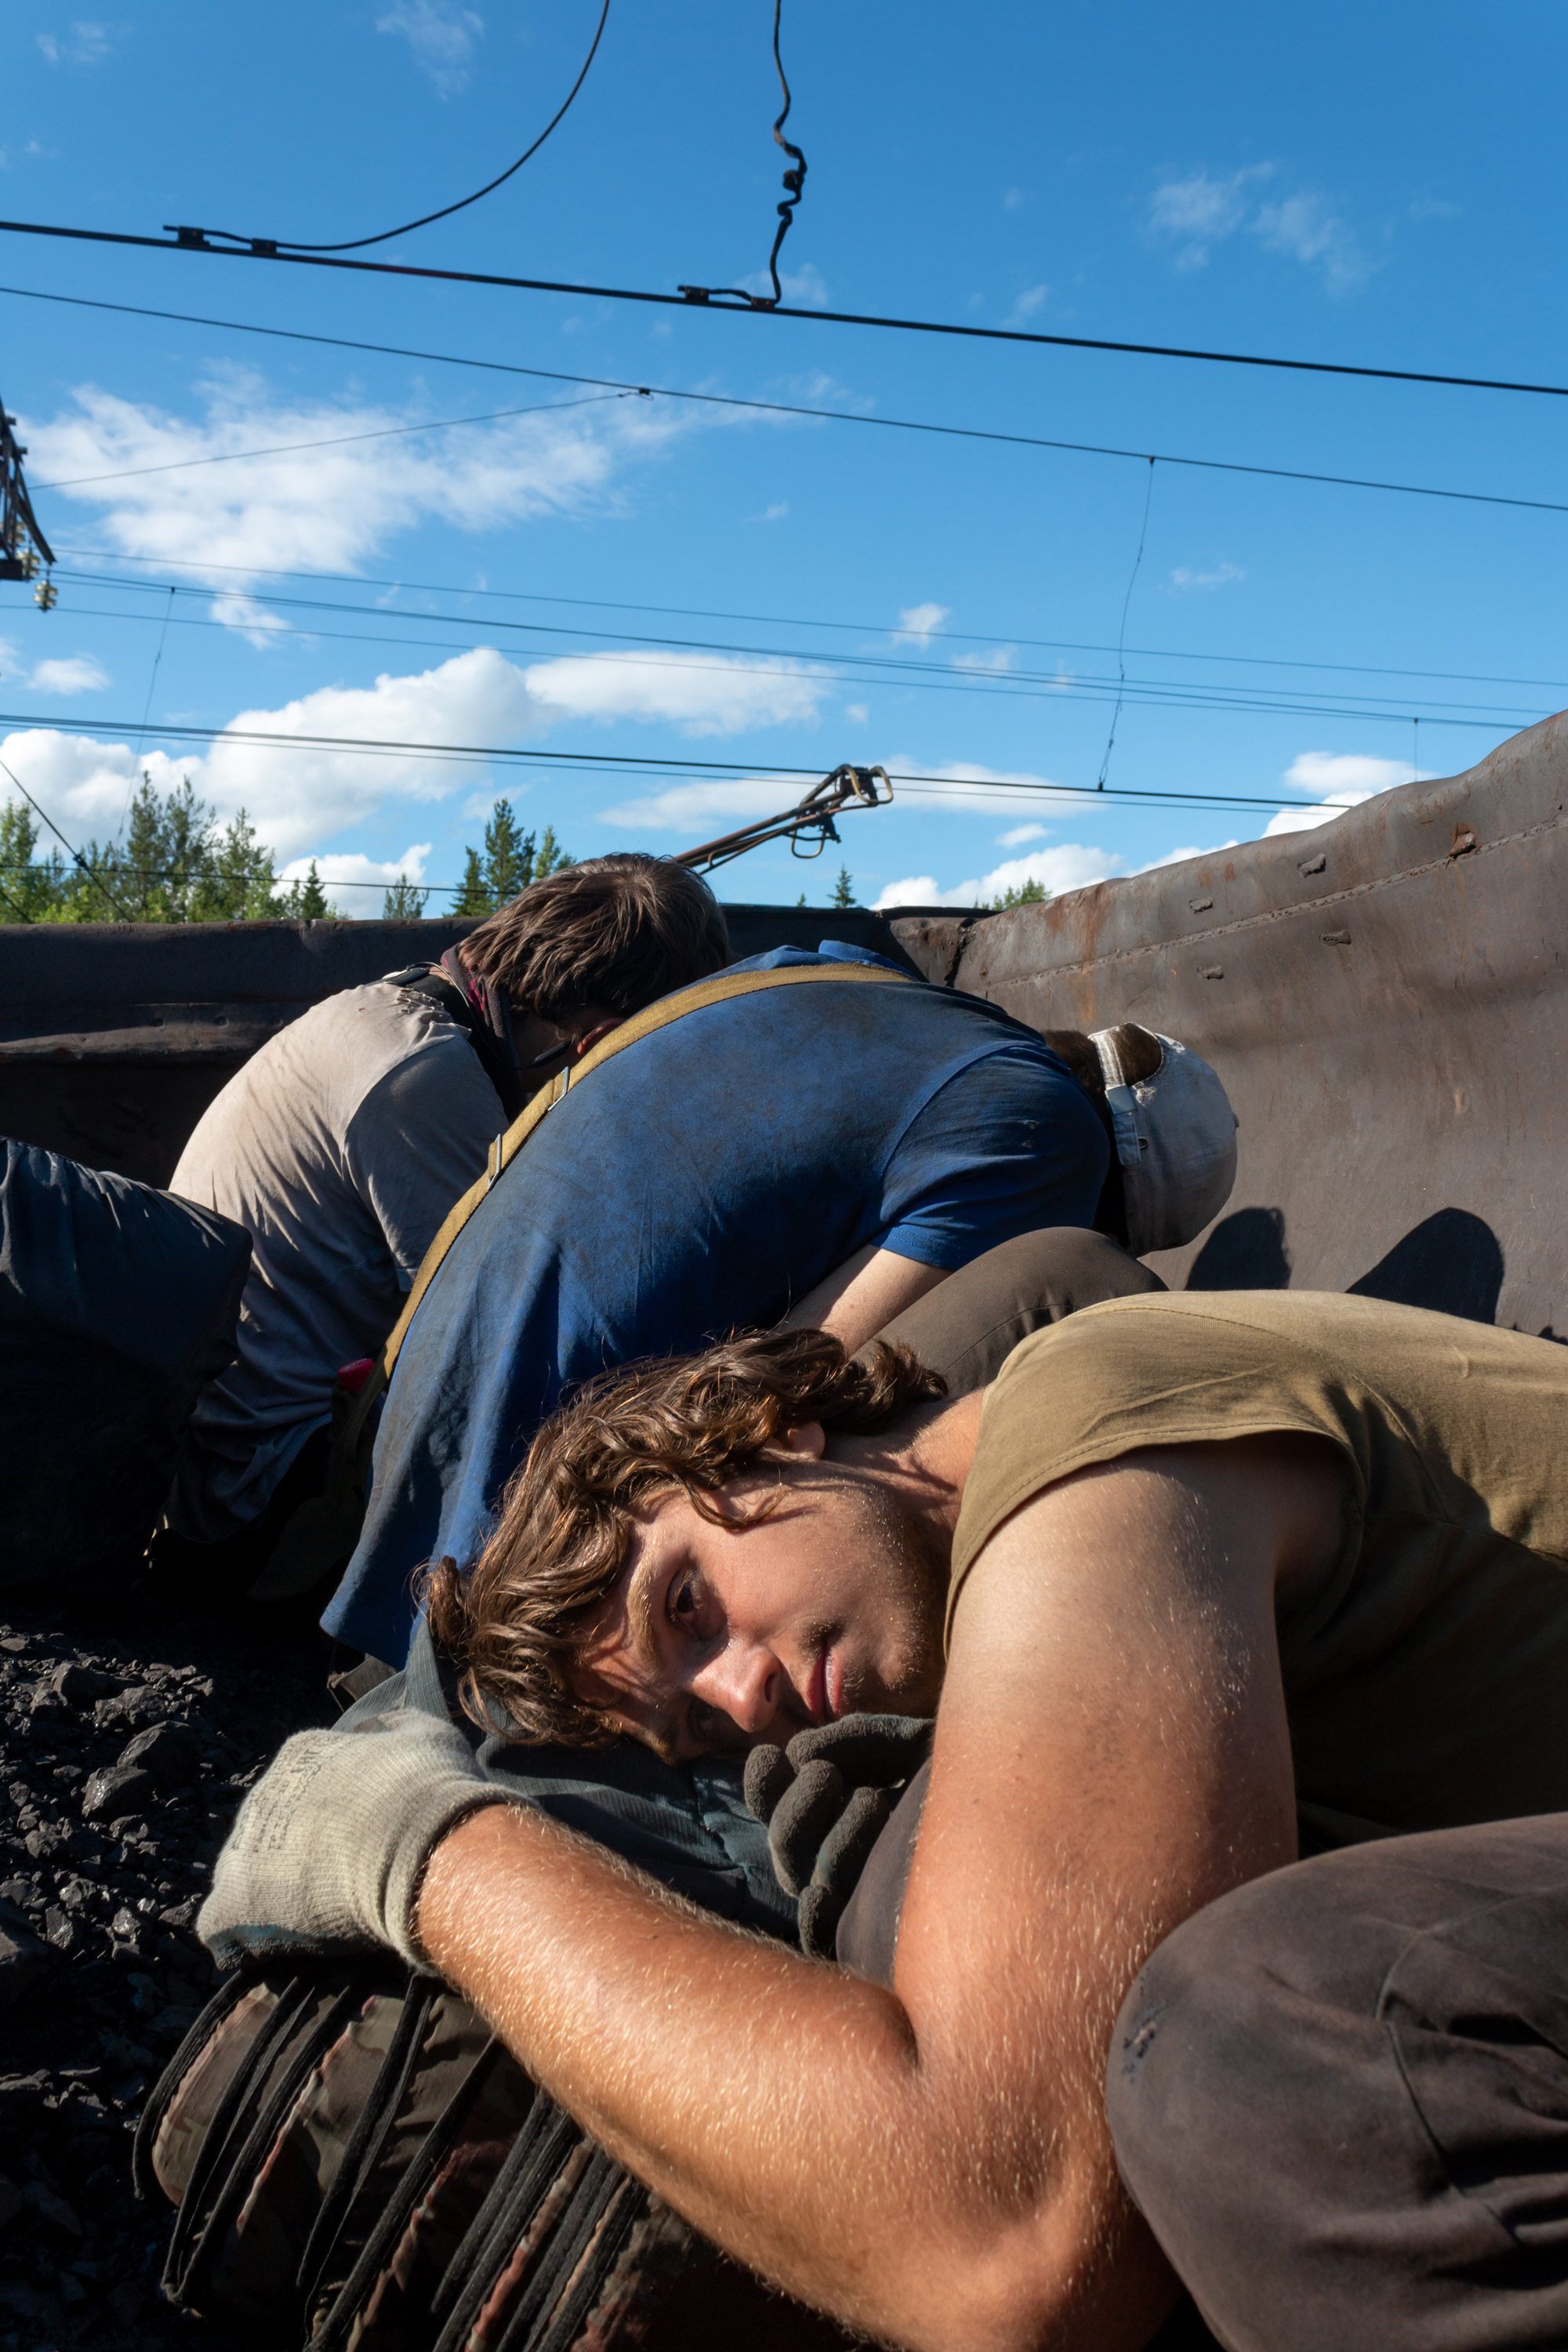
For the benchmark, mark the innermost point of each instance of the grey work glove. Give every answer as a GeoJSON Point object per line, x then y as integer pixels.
{"type": "Point", "coordinates": [326, 1853]}
{"type": "Point", "coordinates": [827, 1798]}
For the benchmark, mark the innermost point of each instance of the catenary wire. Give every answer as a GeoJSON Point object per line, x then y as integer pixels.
{"type": "Point", "coordinates": [357, 244]}
{"type": "Point", "coordinates": [696, 298]}
{"type": "Point", "coordinates": [332, 441]}
{"type": "Point", "coordinates": [863, 668]}
{"type": "Point", "coordinates": [645, 764]}
{"type": "Point", "coordinates": [792, 620]}
{"type": "Point", "coordinates": [91, 871]}
{"type": "Point", "coordinates": [792, 408]}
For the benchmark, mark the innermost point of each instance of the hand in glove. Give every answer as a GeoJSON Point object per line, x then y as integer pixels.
{"type": "Point", "coordinates": [327, 1851]}
{"type": "Point", "coordinates": [827, 1798]}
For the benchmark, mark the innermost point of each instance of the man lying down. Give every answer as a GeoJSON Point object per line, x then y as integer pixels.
{"type": "Point", "coordinates": [1194, 1570]}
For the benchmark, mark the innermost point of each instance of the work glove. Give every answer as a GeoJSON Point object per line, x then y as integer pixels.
{"type": "Point", "coordinates": [827, 1798]}
{"type": "Point", "coordinates": [327, 1851]}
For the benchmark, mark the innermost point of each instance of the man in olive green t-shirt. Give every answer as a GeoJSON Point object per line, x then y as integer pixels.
{"type": "Point", "coordinates": [1192, 1565]}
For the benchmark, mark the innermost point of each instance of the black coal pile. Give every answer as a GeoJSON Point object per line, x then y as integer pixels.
{"type": "Point", "coordinates": [127, 1736]}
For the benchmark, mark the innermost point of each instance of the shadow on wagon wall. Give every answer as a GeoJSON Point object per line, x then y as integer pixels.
{"type": "Point", "coordinates": [1451, 1260]}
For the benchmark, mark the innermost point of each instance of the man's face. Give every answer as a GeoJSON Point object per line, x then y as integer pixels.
{"type": "Point", "coordinates": [818, 1594]}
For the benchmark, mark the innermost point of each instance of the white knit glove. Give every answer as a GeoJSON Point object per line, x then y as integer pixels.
{"type": "Point", "coordinates": [326, 1853]}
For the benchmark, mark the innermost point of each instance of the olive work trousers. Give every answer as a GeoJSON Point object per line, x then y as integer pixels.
{"type": "Point", "coordinates": [1339, 2097]}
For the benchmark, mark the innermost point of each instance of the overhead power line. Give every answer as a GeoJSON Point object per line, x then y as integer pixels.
{"type": "Point", "coordinates": [630, 763]}
{"type": "Point", "coordinates": [796, 408]}
{"type": "Point", "coordinates": [331, 441]}
{"type": "Point", "coordinates": [777, 620]}
{"type": "Point", "coordinates": [357, 244]}
{"type": "Point", "coordinates": [195, 240]}
{"type": "Point", "coordinates": [861, 667]}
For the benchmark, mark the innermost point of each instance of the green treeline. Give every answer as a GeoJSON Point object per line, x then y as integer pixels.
{"type": "Point", "coordinates": [174, 863]}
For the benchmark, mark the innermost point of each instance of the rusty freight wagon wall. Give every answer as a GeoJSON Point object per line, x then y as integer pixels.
{"type": "Point", "coordinates": [114, 1038]}
{"type": "Point", "coordinates": [1386, 998]}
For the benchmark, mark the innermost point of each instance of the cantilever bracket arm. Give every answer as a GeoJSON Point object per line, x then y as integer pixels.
{"type": "Point", "coordinates": [848, 787]}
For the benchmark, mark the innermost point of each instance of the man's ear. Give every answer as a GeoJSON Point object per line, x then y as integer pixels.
{"type": "Point", "coordinates": [591, 1037]}
{"type": "Point", "coordinates": [809, 1440]}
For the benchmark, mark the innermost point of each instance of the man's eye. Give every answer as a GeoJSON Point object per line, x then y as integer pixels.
{"type": "Point", "coordinates": [683, 1600]}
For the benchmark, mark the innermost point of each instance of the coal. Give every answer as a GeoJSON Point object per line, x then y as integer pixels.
{"type": "Point", "coordinates": [23, 1961]}
{"type": "Point", "coordinates": [164, 1720]}
{"type": "Point", "coordinates": [171, 1756]}
{"type": "Point", "coordinates": [80, 1686]}
{"type": "Point", "coordinates": [117, 1792]}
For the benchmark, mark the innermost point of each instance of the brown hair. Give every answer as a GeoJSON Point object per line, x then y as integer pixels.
{"type": "Point", "coordinates": [674, 1426]}
{"type": "Point", "coordinates": [614, 931]}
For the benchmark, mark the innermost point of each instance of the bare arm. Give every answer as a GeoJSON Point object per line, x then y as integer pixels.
{"type": "Point", "coordinates": [859, 1297]}
{"type": "Point", "coordinates": [932, 2164]}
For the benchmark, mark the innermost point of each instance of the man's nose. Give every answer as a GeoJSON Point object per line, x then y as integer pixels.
{"type": "Point", "coordinates": [746, 1681]}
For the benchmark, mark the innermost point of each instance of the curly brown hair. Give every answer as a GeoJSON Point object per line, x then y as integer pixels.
{"type": "Point", "coordinates": [682, 1424]}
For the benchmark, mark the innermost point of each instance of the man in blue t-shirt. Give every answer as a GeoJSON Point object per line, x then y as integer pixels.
{"type": "Point", "coordinates": [824, 1154]}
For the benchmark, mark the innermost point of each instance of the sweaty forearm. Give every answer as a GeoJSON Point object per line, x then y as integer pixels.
{"type": "Point", "coordinates": [783, 2108]}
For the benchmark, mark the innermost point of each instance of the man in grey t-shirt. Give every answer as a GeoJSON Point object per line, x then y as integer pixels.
{"type": "Point", "coordinates": [341, 1146]}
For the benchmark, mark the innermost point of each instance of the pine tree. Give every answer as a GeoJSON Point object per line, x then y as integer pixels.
{"type": "Point", "coordinates": [1027, 894]}
{"type": "Point", "coordinates": [510, 861]}
{"type": "Point", "coordinates": [306, 901]}
{"type": "Point", "coordinates": [471, 899]}
{"type": "Point", "coordinates": [240, 881]}
{"type": "Point", "coordinates": [508, 856]}
{"type": "Point", "coordinates": [403, 901]}
{"type": "Point", "coordinates": [551, 858]}
{"type": "Point", "coordinates": [843, 890]}
{"type": "Point", "coordinates": [28, 886]}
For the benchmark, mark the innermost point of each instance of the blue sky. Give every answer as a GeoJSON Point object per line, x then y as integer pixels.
{"type": "Point", "coordinates": [654, 578]}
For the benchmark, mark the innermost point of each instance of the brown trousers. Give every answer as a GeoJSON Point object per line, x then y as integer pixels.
{"type": "Point", "coordinates": [1339, 2097]}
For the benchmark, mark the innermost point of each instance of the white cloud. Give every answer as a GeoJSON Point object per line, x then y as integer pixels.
{"type": "Point", "coordinates": [1019, 835]}
{"type": "Point", "coordinates": [441, 35]}
{"type": "Point", "coordinates": [1027, 304]}
{"type": "Point", "coordinates": [86, 44]}
{"type": "Point", "coordinates": [1302, 820]}
{"type": "Point", "coordinates": [296, 798]}
{"type": "Point", "coordinates": [1185, 576]}
{"type": "Point", "coordinates": [299, 797]}
{"type": "Point", "coordinates": [772, 514]}
{"type": "Point", "coordinates": [1326, 774]}
{"type": "Point", "coordinates": [1198, 212]}
{"type": "Point", "coordinates": [345, 877]}
{"type": "Point", "coordinates": [1013, 199]}
{"type": "Point", "coordinates": [705, 808]}
{"type": "Point", "coordinates": [1180, 856]}
{"type": "Point", "coordinates": [1069, 866]}
{"type": "Point", "coordinates": [71, 673]}
{"type": "Point", "coordinates": [1340, 781]}
{"type": "Point", "coordinates": [321, 508]}
{"type": "Point", "coordinates": [991, 665]}
{"type": "Point", "coordinates": [703, 694]}
{"type": "Point", "coordinates": [860, 712]}
{"type": "Point", "coordinates": [919, 621]}
{"type": "Point", "coordinates": [1304, 227]}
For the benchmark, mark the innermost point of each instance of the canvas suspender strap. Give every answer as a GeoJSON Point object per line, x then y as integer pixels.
{"type": "Point", "coordinates": [720, 989]}
{"type": "Point", "coordinates": [314, 1539]}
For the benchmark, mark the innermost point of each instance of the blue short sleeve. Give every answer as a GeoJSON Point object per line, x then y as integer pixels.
{"type": "Point", "coordinates": [1006, 1146]}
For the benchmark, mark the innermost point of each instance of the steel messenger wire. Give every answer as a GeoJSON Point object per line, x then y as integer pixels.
{"type": "Point", "coordinates": [766, 620]}
{"type": "Point", "coordinates": [764, 408]}
{"type": "Point", "coordinates": [193, 240]}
